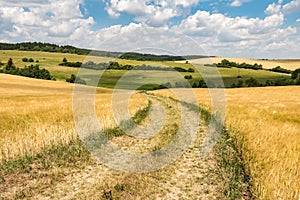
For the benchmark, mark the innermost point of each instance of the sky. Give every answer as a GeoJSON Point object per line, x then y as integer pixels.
{"type": "Point", "coordinates": [229, 28]}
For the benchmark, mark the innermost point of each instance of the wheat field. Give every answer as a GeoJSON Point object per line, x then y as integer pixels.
{"type": "Point", "coordinates": [267, 64]}
{"type": "Point", "coordinates": [265, 125]}
{"type": "Point", "coordinates": [35, 114]}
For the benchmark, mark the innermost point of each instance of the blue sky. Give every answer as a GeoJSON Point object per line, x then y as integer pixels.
{"type": "Point", "coordinates": [232, 28]}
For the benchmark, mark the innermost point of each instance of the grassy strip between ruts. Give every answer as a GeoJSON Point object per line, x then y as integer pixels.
{"type": "Point", "coordinates": [129, 124]}
{"type": "Point", "coordinates": [231, 169]}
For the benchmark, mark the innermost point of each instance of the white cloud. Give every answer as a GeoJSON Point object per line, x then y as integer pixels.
{"type": "Point", "coordinates": [291, 7]}
{"type": "Point", "coordinates": [154, 13]}
{"type": "Point", "coordinates": [46, 21]}
{"type": "Point", "coordinates": [238, 3]}
{"type": "Point", "coordinates": [242, 36]}
{"type": "Point", "coordinates": [62, 22]}
{"type": "Point", "coordinates": [273, 9]}
{"type": "Point", "coordinates": [298, 20]}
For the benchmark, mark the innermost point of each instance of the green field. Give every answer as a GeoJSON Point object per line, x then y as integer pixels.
{"type": "Point", "coordinates": [133, 79]}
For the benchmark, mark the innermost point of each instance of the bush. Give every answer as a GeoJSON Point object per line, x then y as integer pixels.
{"type": "Point", "coordinates": [251, 82]}
{"type": "Point", "coordinates": [191, 70]}
{"type": "Point", "coordinates": [25, 59]}
{"type": "Point", "coordinates": [296, 74]}
{"type": "Point", "coordinates": [71, 64]}
{"type": "Point", "coordinates": [30, 60]}
{"type": "Point", "coordinates": [281, 70]}
{"type": "Point", "coordinates": [74, 79]}
{"type": "Point", "coordinates": [240, 84]}
{"type": "Point", "coordinates": [202, 84]}
{"type": "Point", "coordinates": [65, 60]}
{"type": "Point", "coordinates": [188, 77]}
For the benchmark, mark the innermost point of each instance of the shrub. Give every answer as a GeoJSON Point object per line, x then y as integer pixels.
{"type": "Point", "coordinates": [74, 79]}
{"type": "Point", "coordinates": [280, 70]}
{"type": "Point", "coordinates": [65, 60]}
{"type": "Point", "coordinates": [296, 74]}
{"type": "Point", "coordinates": [251, 82]}
{"type": "Point", "coordinates": [240, 84]}
{"type": "Point", "coordinates": [25, 59]}
{"type": "Point", "coordinates": [188, 77]}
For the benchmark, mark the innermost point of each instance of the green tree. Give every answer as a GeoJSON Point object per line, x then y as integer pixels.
{"type": "Point", "coordinates": [10, 65]}
{"type": "Point", "coordinates": [251, 82]}
{"type": "Point", "coordinates": [65, 60]}
{"type": "Point", "coordinates": [296, 74]}
{"type": "Point", "coordinates": [240, 84]}
{"type": "Point", "coordinates": [188, 77]}
{"type": "Point", "coordinates": [74, 79]}
{"type": "Point", "coordinates": [202, 84]}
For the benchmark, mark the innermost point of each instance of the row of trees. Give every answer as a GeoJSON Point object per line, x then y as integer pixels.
{"type": "Point", "coordinates": [48, 47]}
{"type": "Point", "coordinates": [227, 64]}
{"type": "Point", "coordinates": [251, 82]}
{"type": "Point", "coordinates": [281, 70]}
{"type": "Point", "coordinates": [150, 57]}
{"type": "Point", "coordinates": [32, 71]}
{"type": "Point", "coordinates": [117, 66]}
{"type": "Point", "coordinates": [28, 60]}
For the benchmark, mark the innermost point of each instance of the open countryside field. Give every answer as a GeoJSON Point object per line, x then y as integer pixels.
{"type": "Point", "coordinates": [36, 114]}
{"type": "Point", "coordinates": [41, 153]}
{"type": "Point", "coordinates": [51, 61]}
{"type": "Point", "coordinates": [38, 125]}
{"type": "Point", "coordinates": [264, 124]}
{"type": "Point", "coordinates": [267, 64]}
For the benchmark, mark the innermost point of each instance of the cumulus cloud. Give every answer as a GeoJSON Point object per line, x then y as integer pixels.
{"type": "Point", "coordinates": [291, 7]}
{"type": "Point", "coordinates": [238, 3]}
{"type": "Point", "coordinates": [273, 9]}
{"type": "Point", "coordinates": [154, 13]}
{"type": "Point", "coordinates": [239, 34]}
{"type": "Point", "coordinates": [62, 22]}
{"type": "Point", "coordinates": [49, 20]}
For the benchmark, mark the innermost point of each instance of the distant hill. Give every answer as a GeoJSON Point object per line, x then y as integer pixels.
{"type": "Point", "coordinates": [48, 47]}
{"type": "Point", "coordinates": [152, 57]}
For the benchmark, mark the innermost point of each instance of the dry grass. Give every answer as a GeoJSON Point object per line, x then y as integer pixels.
{"type": "Point", "coordinates": [267, 64]}
{"type": "Point", "coordinates": [35, 114]}
{"type": "Point", "coordinates": [264, 122]}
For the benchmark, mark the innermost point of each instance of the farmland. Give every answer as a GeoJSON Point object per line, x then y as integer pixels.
{"type": "Point", "coordinates": [257, 155]}
{"type": "Point", "coordinates": [36, 114]}
{"type": "Point", "coordinates": [41, 152]}
{"type": "Point", "coordinates": [51, 61]}
{"type": "Point", "coordinates": [264, 125]}
{"type": "Point", "coordinates": [268, 64]}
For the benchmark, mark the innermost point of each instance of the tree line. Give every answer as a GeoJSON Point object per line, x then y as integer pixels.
{"type": "Point", "coordinates": [228, 64]}
{"type": "Point", "coordinates": [32, 71]}
{"type": "Point", "coordinates": [117, 66]}
{"type": "Point", "coordinates": [150, 57]}
{"type": "Point", "coordinates": [48, 47]}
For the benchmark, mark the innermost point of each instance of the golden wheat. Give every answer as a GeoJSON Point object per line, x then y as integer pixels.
{"type": "Point", "coordinates": [35, 114]}
{"type": "Point", "coordinates": [265, 124]}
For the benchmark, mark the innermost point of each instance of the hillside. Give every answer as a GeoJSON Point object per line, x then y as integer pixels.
{"type": "Point", "coordinates": [52, 60]}
{"type": "Point", "coordinates": [267, 64]}
{"type": "Point", "coordinates": [41, 151]}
